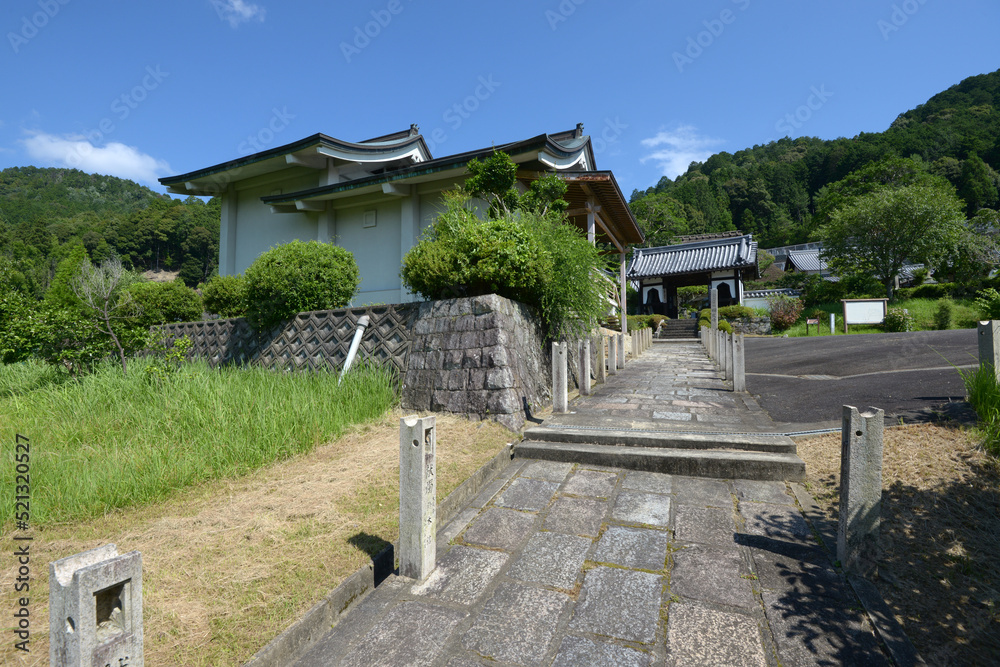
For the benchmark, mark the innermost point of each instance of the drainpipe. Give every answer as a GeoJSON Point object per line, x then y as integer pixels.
{"type": "Point", "coordinates": [355, 344]}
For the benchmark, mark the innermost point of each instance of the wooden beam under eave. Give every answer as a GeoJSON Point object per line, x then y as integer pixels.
{"type": "Point", "coordinates": [301, 205]}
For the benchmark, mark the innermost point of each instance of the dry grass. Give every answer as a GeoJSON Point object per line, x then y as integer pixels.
{"type": "Point", "coordinates": [940, 537]}
{"type": "Point", "coordinates": [228, 565]}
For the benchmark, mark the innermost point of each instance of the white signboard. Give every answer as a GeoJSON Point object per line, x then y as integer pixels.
{"type": "Point", "coordinates": [864, 311]}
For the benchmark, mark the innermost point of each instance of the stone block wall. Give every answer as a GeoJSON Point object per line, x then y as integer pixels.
{"type": "Point", "coordinates": [755, 326]}
{"type": "Point", "coordinates": [478, 356]}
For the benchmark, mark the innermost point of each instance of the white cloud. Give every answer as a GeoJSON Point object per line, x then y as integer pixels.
{"type": "Point", "coordinates": [76, 152]}
{"type": "Point", "coordinates": [678, 148]}
{"type": "Point", "coordinates": [238, 11]}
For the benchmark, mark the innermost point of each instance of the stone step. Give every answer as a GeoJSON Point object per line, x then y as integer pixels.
{"type": "Point", "coordinates": [717, 463]}
{"type": "Point", "coordinates": [748, 442]}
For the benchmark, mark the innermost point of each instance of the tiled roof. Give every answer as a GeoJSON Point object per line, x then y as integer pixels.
{"type": "Point", "coordinates": [764, 293]}
{"type": "Point", "coordinates": [806, 260]}
{"type": "Point", "coordinates": [696, 257]}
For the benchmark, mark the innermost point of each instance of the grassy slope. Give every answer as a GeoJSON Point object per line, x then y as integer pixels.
{"type": "Point", "coordinates": [108, 442]}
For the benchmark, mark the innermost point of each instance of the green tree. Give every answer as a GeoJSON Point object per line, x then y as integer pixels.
{"type": "Point", "coordinates": [875, 233]}
{"type": "Point", "coordinates": [60, 293]}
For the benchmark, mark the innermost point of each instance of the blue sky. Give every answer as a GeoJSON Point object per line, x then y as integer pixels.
{"type": "Point", "coordinates": [148, 89]}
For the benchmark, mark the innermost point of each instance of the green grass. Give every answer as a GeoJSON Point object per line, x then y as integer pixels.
{"type": "Point", "coordinates": [964, 316]}
{"type": "Point", "coordinates": [983, 391]}
{"type": "Point", "coordinates": [105, 441]}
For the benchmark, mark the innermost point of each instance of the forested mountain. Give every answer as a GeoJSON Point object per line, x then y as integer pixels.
{"type": "Point", "coordinates": [45, 213]}
{"type": "Point", "coordinates": [772, 190]}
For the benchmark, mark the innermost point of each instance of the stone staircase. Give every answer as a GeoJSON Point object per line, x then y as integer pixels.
{"type": "Point", "coordinates": [755, 456]}
{"type": "Point", "coordinates": [674, 329]}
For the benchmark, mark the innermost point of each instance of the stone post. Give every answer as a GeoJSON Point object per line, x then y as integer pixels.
{"type": "Point", "coordinates": [635, 343]}
{"type": "Point", "coordinates": [621, 351]}
{"type": "Point", "coordinates": [585, 367]}
{"type": "Point", "coordinates": [728, 344]}
{"type": "Point", "coordinates": [739, 364]}
{"type": "Point", "coordinates": [989, 345]}
{"type": "Point", "coordinates": [713, 296]}
{"type": "Point", "coordinates": [602, 369]}
{"type": "Point", "coordinates": [560, 397]}
{"type": "Point", "coordinates": [95, 609]}
{"type": "Point", "coordinates": [417, 496]}
{"type": "Point", "coordinates": [704, 337]}
{"type": "Point", "coordinates": [860, 490]}
{"type": "Point", "coordinates": [612, 354]}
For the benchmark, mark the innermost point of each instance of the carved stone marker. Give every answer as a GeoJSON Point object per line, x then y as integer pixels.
{"type": "Point", "coordinates": [739, 364]}
{"type": "Point", "coordinates": [989, 344]}
{"type": "Point", "coordinates": [612, 355]}
{"type": "Point", "coordinates": [417, 496]}
{"type": "Point", "coordinates": [602, 369]}
{"type": "Point", "coordinates": [860, 490]}
{"type": "Point", "coordinates": [585, 367]}
{"type": "Point", "coordinates": [560, 397]}
{"type": "Point", "coordinates": [95, 609]}
{"type": "Point", "coordinates": [621, 350]}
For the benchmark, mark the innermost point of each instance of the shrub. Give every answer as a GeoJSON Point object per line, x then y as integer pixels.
{"type": "Point", "coordinates": [898, 319]}
{"type": "Point", "coordinates": [735, 312]}
{"type": "Point", "coordinates": [988, 303]}
{"type": "Point", "coordinates": [983, 394]}
{"type": "Point", "coordinates": [160, 303]}
{"type": "Point", "coordinates": [654, 320]}
{"type": "Point", "coordinates": [725, 326]}
{"type": "Point", "coordinates": [527, 256]}
{"type": "Point", "coordinates": [785, 311]}
{"type": "Point", "coordinates": [225, 296]}
{"type": "Point", "coordinates": [943, 315]}
{"type": "Point", "coordinates": [298, 277]}
{"type": "Point", "coordinates": [636, 322]}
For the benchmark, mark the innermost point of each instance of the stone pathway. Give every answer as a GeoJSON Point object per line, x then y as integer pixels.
{"type": "Point", "coordinates": [573, 564]}
{"type": "Point", "coordinates": [563, 564]}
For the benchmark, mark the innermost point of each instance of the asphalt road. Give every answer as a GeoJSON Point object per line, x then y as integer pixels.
{"type": "Point", "coordinates": [806, 381]}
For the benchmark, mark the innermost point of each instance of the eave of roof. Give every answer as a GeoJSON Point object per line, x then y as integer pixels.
{"type": "Point", "coordinates": [377, 146]}
{"type": "Point", "coordinates": [457, 161]}
{"type": "Point", "coordinates": [695, 257]}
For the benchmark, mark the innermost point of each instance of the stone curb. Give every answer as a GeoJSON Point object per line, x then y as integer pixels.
{"type": "Point", "coordinates": [293, 642]}
{"type": "Point", "coordinates": [888, 629]}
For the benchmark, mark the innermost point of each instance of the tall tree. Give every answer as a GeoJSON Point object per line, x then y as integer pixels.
{"type": "Point", "coordinates": [876, 233]}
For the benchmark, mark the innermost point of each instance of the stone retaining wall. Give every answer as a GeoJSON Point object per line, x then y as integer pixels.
{"type": "Point", "coordinates": [757, 326]}
{"type": "Point", "coordinates": [479, 356]}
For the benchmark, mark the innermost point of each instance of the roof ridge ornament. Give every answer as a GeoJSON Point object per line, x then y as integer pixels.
{"type": "Point", "coordinates": [579, 131]}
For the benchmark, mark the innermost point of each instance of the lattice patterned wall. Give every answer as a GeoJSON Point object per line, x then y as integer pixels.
{"type": "Point", "coordinates": [318, 339]}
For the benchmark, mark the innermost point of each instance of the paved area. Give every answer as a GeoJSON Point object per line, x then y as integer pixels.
{"type": "Point", "coordinates": [674, 386]}
{"type": "Point", "coordinates": [570, 564]}
{"type": "Point", "coordinates": [803, 382]}
{"type": "Point", "coordinates": [561, 564]}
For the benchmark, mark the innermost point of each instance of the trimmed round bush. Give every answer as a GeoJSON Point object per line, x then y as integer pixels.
{"type": "Point", "coordinates": [725, 326]}
{"type": "Point", "coordinates": [161, 303]}
{"type": "Point", "coordinates": [298, 277]}
{"type": "Point", "coordinates": [225, 296]}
